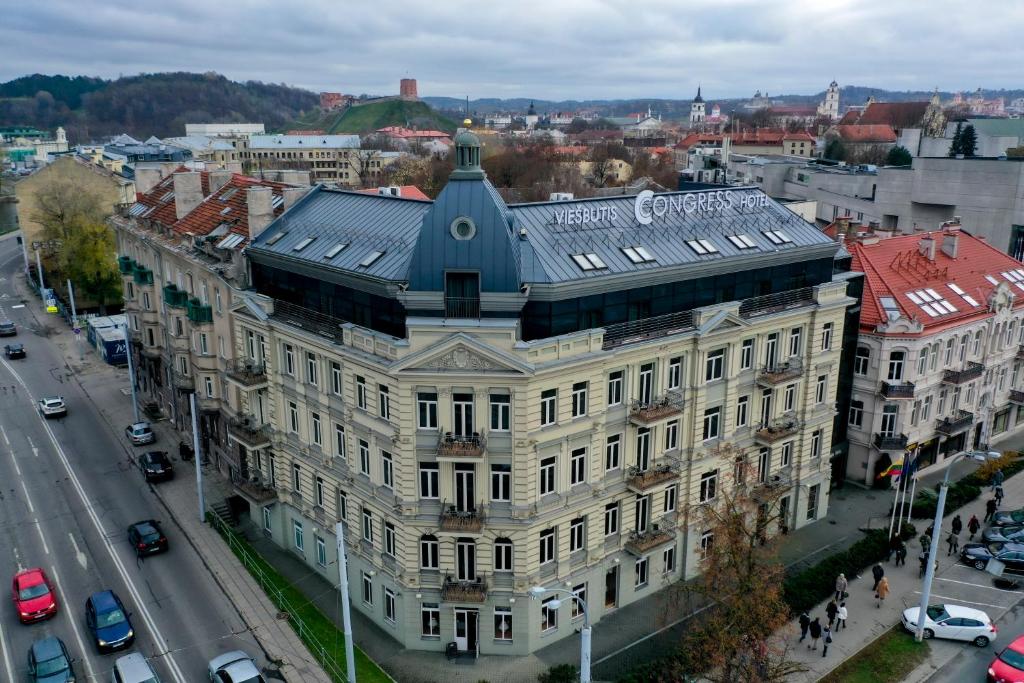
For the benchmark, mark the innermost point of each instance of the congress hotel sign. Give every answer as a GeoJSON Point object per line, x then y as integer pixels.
{"type": "Point", "coordinates": [648, 206]}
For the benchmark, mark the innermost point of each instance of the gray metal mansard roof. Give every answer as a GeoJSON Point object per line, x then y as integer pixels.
{"type": "Point", "coordinates": [536, 243]}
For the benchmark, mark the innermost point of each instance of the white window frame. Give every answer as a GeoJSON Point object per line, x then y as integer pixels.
{"type": "Point", "coordinates": [298, 536]}
{"type": "Point", "coordinates": [616, 379]}
{"type": "Point", "coordinates": [641, 577]}
{"type": "Point", "coordinates": [579, 399]}
{"type": "Point", "coordinates": [613, 452]}
{"type": "Point", "coordinates": [578, 467]}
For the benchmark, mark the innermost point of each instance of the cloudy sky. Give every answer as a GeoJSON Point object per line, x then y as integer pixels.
{"type": "Point", "coordinates": [547, 49]}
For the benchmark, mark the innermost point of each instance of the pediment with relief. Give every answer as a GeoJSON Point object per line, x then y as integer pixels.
{"type": "Point", "coordinates": [462, 358]}
{"type": "Point", "coordinates": [722, 321]}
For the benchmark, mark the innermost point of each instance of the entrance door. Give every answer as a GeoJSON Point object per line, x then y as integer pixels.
{"type": "Point", "coordinates": [465, 488]}
{"type": "Point", "coordinates": [465, 629]}
{"type": "Point", "coordinates": [611, 587]}
{"type": "Point", "coordinates": [977, 435]}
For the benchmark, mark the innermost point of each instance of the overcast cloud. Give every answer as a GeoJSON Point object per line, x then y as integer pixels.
{"type": "Point", "coordinates": [549, 49]}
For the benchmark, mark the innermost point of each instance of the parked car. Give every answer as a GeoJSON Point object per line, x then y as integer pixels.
{"type": "Point", "coordinates": [147, 538]}
{"type": "Point", "coordinates": [13, 351]}
{"type": "Point", "coordinates": [156, 466]}
{"type": "Point", "coordinates": [8, 329]}
{"type": "Point", "coordinates": [33, 594]}
{"type": "Point", "coordinates": [234, 667]}
{"type": "Point", "coordinates": [108, 622]}
{"type": "Point", "coordinates": [133, 668]}
{"type": "Point", "coordinates": [1008, 666]}
{"type": "Point", "coordinates": [53, 406]}
{"type": "Point", "coordinates": [49, 662]}
{"type": "Point", "coordinates": [953, 622]}
{"type": "Point", "coordinates": [978, 554]}
{"type": "Point", "coordinates": [1004, 534]}
{"type": "Point", "coordinates": [140, 433]}
{"type": "Point", "coordinates": [1008, 517]}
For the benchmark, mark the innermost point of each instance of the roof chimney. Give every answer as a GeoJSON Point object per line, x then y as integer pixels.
{"type": "Point", "coordinates": [927, 247]}
{"type": "Point", "coordinates": [951, 243]}
{"type": "Point", "coordinates": [188, 192]}
{"type": "Point", "coordinates": [292, 195]}
{"type": "Point", "coordinates": [260, 203]}
{"type": "Point", "coordinates": [147, 178]}
{"type": "Point", "coordinates": [219, 179]}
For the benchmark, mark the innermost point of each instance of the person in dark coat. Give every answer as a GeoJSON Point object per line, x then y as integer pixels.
{"type": "Point", "coordinates": [973, 525]}
{"type": "Point", "coordinates": [954, 543]}
{"type": "Point", "coordinates": [997, 479]}
{"type": "Point", "coordinates": [831, 611]}
{"type": "Point", "coordinates": [894, 544]}
{"type": "Point", "coordinates": [805, 622]}
{"type": "Point", "coordinates": [999, 496]}
{"type": "Point", "coordinates": [901, 554]}
{"type": "Point", "coordinates": [990, 508]}
{"type": "Point", "coordinates": [815, 629]}
{"type": "Point", "coordinates": [958, 525]}
{"type": "Point", "coordinates": [827, 640]}
{"type": "Point", "coordinates": [878, 573]}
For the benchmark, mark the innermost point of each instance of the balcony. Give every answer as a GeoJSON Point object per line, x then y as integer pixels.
{"type": "Point", "coordinates": [897, 389]}
{"type": "Point", "coordinates": [126, 265]}
{"type": "Point", "coordinates": [642, 542]}
{"type": "Point", "coordinates": [777, 373]}
{"type": "Point", "coordinates": [247, 374]}
{"type": "Point", "coordinates": [142, 275]}
{"type": "Point", "coordinates": [641, 481]}
{"type": "Point", "coordinates": [1017, 396]}
{"type": "Point", "coordinates": [661, 408]}
{"type": "Point", "coordinates": [949, 426]}
{"type": "Point", "coordinates": [314, 322]}
{"type": "Point", "coordinates": [462, 521]}
{"type": "Point", "coordinates": [776, 431]}
{"type": "Point", "coordinates": [254, 488]}
{"type": "Point", "coordinates": [891, 442]}
{"type": "Point", "coordinates": [182, 382]}
{"type": "Point", "coordinates": [453, 590]}
{"type": "Point", "coordinates": [174, 296]}
{"type": "Point", "coordinates": [972, 371]}
{"type": "Point", "coordinates": [198, 312]}
{"type": "Point", "coordinates": [246, 432]}
{"type": "Point", "coordinates": [461, 307]}
{"type": "Point", "coordinates": [1020, 352]}
{"type": "Point", "coordinates": [456, 448]}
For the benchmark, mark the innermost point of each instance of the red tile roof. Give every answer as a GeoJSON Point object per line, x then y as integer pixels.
{"type": "Point", "coordinates": [802, 135]}
{"type": "Point", "coordinates": [228, 206]}
{"type": "Point", "coordinates": [408, 192]}
{"type": "Point", "coordinates": [894, 267]}
{"type": "Point", "coordinates": [880, 133]}
{"type": "Point", "coordinates": [895, 114]}
{"type": "Point", "coordinates": [160, 199]}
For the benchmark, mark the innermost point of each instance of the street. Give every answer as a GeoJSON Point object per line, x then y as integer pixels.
{"type": "Point", "coordinates": [70, 490]}
{"type": "Point", "coordinates": [972, 663]}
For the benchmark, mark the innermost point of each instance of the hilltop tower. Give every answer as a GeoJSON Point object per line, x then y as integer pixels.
{"type": "Point", "coordinates": [407, 89]}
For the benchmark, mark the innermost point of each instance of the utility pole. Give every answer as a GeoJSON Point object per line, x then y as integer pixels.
{"type": "Point", "coordinates": [74, 321]}
{"type": "Point", "coordinates": [39, 271]}
{"type": "Point", "coordinates": [131, 370]}
{"type": "Point", "coordinates": [197, 457]}
{"type": "Point", "coordinates": [346, 616]}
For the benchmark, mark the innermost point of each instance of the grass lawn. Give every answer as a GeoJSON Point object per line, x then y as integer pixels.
{"type": "Point", "coordinates": [887, 660]}
{"type": "Point", "coordinates": [316, 624]}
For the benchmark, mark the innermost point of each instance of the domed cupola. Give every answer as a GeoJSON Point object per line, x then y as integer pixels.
{"type": "Point", "coordinates": [467, 156]}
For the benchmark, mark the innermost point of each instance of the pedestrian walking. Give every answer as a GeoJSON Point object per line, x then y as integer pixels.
{"type": "Point", "coordinates": [925, 541]}
{"type": "Point", "coordinates": [958, 525]}
{"type": "Point", "coordinates": [999, 496]}
{"type": "Point", "coordinates": [841, 585]}
{"type": "Point", "coordinates": [973, 525]}
{"type": "Point", "coordinates": [827, 640]}
{"type": "Point", "coordinates": [894, 544]}
{"type": "Point", "coordinates": [930, 530]}
{"type": "Point", "coordinates": [878, 573]}
{"type": "Point", "coordinates": [841, 617]}
{"type": "Point", "coordinates": [923, 559]}
{"type": "Point", "coordinates": [901, 554]}
{"type": "Point", "coordinates": [882, 591]}
{"type": "Point", "coordinates": [831, 611]}
{"type": "Point", "coordinates": [954, 543]}
{"type": "Point", "coordinates": [805, 622]}
{"type": "Point", "coordinates": [997, 479]}
{"type": "Point", "coordinates": [815, 630]}
{"type": "Point", "coordinates": [990, 508]}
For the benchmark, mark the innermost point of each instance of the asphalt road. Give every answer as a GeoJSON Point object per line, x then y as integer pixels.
{"type": "Point", "coordinates": [68, 491]}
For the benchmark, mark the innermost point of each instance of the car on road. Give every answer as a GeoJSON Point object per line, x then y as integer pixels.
{"type": "Point", "coordinates": [8, 329]}
{"type": "Point", "coordinates": [977, 555]}
{"type": "Point", "coordinates": [1008, 517]}
{"type": "Point", "coordinates": [1008, 666]}
{"type": "Point", "coordinates": [156, 466]}
{"type": "Point", "coordinates": [108, 622]}
{"type": "Point", "coordinates": [140, 433]}
{"type": "Point", "coordinates": [234, 667]}
{"type": "Point", "coordinates": [1013, 533]}
{"type": "Point", "coordinates": [13, 351]}
{"type": "Point", "coordinates": [53, 406]}
{"type": "Point", "coordinates": [133, 668]}
{"type": "Point", "coordinates": [33, 594]}
{"type": "Point", "coordinates": [49, 662]}
{"type": "Point", "coordinates": [953, 622]}
{"type": "Point", "coordinates": [147, 538]}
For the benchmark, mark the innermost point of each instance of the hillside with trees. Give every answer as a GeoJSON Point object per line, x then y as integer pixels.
{"type": "Point", "coordinates": [365, 118]}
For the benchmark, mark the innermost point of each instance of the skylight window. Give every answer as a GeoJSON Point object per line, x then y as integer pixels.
{"type": "Point", "coordinates": [371, 259]}
{"type": "Point", "coordinates": [276, 201]}
{"type": "Point", "coordinates": [229, 194]}
{"type": "Point", "coordinates": [963, 295]}
{"type": "Point", "coordinates": [702, 247]}
{"type": "Point", "coordinates": [777, 236]}
{"type": "Point", "coordinates": [303, 244]}
{"type": "Point", "coordinates": [335, 250]}
{"type": "Point", "coordinates": [992, 280]}
{"type": "Point", "coordinates": [167, 196]}
{"type": "Point", "coordinates": [276, 238]}
{"type": "Point", "coordinates": [892, 311]}
{"type": "Point", "coordinates": [931, 302]}
{"type": "Point", "coordinates": [1012, 276]}
{"type": "Point", "coordinates": [637, 254]}
{"type": "Point", "coordinates": [955, 288]}
{"type": "Point", "coordinates": [589, 261]}
{"type": "Point", "coordinates": [1020, 273]}
{"type": "Point", "coordinates": [742, 241]}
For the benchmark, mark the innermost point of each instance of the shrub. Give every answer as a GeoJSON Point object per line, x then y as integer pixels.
{"type": "Point", "coordinates": [560, 673]}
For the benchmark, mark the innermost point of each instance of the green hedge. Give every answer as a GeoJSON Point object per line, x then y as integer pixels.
{"type": "Point", "coordinates": [965, 490]}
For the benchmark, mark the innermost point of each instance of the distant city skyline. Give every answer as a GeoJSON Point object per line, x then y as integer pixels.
{"type": "Point", "coordinates": [579, 49]}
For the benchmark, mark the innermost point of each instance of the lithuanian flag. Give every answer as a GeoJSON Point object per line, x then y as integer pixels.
{"type": "Point", "coordinates": [895, 470]}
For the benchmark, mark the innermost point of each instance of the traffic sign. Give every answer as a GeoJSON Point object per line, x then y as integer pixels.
{"type": "Point", "coordinates": [51, 309]}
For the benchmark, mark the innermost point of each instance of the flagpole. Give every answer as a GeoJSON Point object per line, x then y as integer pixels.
{"type": "Point", "coordinates": [896, 498]}
{"type": "Point", "coordinates": [913, 476]}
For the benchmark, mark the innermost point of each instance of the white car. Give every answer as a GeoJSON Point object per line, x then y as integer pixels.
{"type": "Point", "coordinates": [953, 622]}
{"type": "Point", "coordinates": [234, 667]}
{"type": "Point", "coordinates": [133, 668]}
{"type": "Point", "coordinates": [53, 406]}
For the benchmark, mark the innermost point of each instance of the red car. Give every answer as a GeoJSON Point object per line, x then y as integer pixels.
{"type": "Point", "coordinates": [33, 595]}
{"type": "Point", "coordinates": [1008, 666]}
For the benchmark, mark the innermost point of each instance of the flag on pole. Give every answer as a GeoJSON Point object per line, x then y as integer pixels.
{"type": "Point", "coordinates": [894, 470]}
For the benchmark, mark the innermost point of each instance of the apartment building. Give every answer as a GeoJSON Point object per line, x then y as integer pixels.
{"type": "Point", "coordinates": [491, 396]}
{"type": "Point", "coordinates": [180, 258]}
{"type": "Point", "coordinates": [938, 358]}
{"type": "Point", "coordinates": [334, 159]}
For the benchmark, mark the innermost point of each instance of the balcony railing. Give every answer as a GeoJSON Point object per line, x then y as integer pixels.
{"type": "Point", "coordinates": [640, 543]}
{"type": "Point", "coordinates": [198, 312]}
{"type": "Point", "coordinates": [972, 371]}
{"type": "Point", "coordinates": [254, 488]}
{"type": "Point", "coordinates": [308, 319]}
{"type": "Point", "coordinates": [174, 296]}
{"type": "Point", "coordinates": [125, 264]}
{"type": "Point", "coordinates": [665, 406]}
{"type": "Point", "coordinates": [142, 275]}
{"type": "Point", "coordinates": [776, 303]}
{"type": "Point", "coordinates": [897, 389]}
{"type": "Point", "coordinates": [460, 447]}
{"type": "Point", "coordinates": [453, 590]}
{"type": "Point", "coordinates": [247, 373]}
{"type": "Point", "coordinates": [461, 307]}
{"type": "Point", "coordinates": [183, 382]}
{"type": "Point", "coordinates": [957, 423]}
{"type": "Point", "coordinates": [891, 442]}
{"type": "Point", "coordinates": [640, 481]}
{"type": "Point", "coordinates": [776, 431]}
{"type": "Point", "coordinates": [1016, 396]}
{"type": "Point", "coordinates": [249, 434]}
{"type": "Point", "coordinates": [453, 519]}
{"type": "Point", "coordinates": [777, 373]}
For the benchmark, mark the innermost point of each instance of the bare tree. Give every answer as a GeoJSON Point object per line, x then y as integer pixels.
{"type": "Point", "coordinates": [363, 163]}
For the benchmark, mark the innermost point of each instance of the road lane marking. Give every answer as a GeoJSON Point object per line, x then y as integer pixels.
{"type": "Point", "coordinates": [42, 538]}
{"type": "Point", "coordinates": [18, 306]}
{"type": "Point", "coordinates": [6, 653]}
{"type": "Point", "coordinates": [961, 600]}
{"type": "Point", "coordinates": [74, 623]}
{"type": "Point", "coordinates": [35, 451]}
{"type": "Point", "coordinates": [28, 499]}
{"type": "Point", "coordinates": [977, 585]}
{"type": "Point", "coordinates": [79, 555]}
{"type": "Point", "coordinates": [91, 511]}
{"type": "Point", "coordinates": [4, 432]}
{"type": "Point", "coordinates": [16, 468]}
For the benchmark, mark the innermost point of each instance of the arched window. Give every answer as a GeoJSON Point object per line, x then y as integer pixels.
{"type": "Point", "coordinates": [502, 555]}
{"type": "Point", "coordinates": [896, 359]}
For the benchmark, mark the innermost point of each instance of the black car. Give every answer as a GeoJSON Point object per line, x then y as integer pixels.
{"type": "Point", "coordinates": [1008, 517]}
{"type": "Point", "coordinates": [978, 554]}
{"type": "Point", "coordinates": [146, 537]}
{"type": "Point", "coordinates": [156, 466]}
{"type": "Point", "coordinates": [8, 329]}
{"type": "Point", "coordinates": [13, 351]}
{"type": "Point", "coordinates": [1013, 533]}
{"type": "Point", "coordinates": [108, 622]}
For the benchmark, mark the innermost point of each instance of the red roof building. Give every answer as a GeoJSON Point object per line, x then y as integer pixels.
{"type": "Point", "coordinates": [158, 204]}
{"type": "Point", "coordinates": [226, 210]}
{"type": "Point", "coordinates": [877, 133]}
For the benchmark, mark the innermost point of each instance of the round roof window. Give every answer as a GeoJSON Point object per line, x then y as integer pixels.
{"type": "Point", "coordinates": [463, 228]}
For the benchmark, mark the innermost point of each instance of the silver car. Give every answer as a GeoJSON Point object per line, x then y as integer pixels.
{"type": "Point", "coordinates": [133, 668]}
{"type": "Point", "coordinates": [140, 433]}
{"type": "Point", "coordinates": [234, 667]}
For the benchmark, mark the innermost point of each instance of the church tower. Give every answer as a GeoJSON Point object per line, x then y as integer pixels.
{"type": "Point", "coordinates": [697, 114]}
{"type": "Point", "coordinates": [829, 108]}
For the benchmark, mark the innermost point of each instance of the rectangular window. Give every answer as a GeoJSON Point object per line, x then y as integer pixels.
{"type": "Point", "coordinates": [462, 408]}
{"type": "Point", "coordinates": [712, 419]}
{"type": "Point", "coordinates": [708, 486]}
{"type": "Point", "coordinates": [764, 459]}
{"type": "Point", "coordinates": [766, 406]}
{"type": "Point", "coordinates": [826, 337]}
{"type": "Point", "coordinates": [429, 480]}
{"type": "Point", "coordinates": [579, 592]}
{"type": "Point", "coordinates": [670, 498]}
{"type": "Point", "coordinates": [389, 539]}
{"type": "Point", "coordinates": [387, 469]}
{"type": "Point", "coordinates": [293, 417]}
{"type": "Point", "coordinates": [794, 341]}
{"type": "Point", "coordinates": [342, 506]}
{"type": "Point", "coordinates": [547, 476]}
{"type": "Point", "coordinates": [915, 413]}
{"type": "Point", "coordinates": [787, 454]}
{"type": "Point", "coordinates": [640, 570]}
{"type": "Point", "coordinates": [820, 389]}
{"type": "Point", "coordinates": [204, 344]}
{"type": "Point", "coordinates": [503, 555]}
{"type": "Point", "coordinates": [321, 551]}
{"type": "Point", "coordinates": [856, 413]}
{"type": "Point", "coordinates": [714, 365]}
{"type": "Point", "coordinates": [707, 542]}
{"type": "Point", "coordinates": [317, 429]}
{"type": "Point", "coordinates": [579, 399]}
{"type": "Point", "coordinates": [668, 560]}
{"type": "Point", "coordinates": [860, 360]}
{"type": "Point", "coordinates": [389, 605]}
{"type": "Point", "coordinates": [613, 452]}
{"type": "Point", "coordinates": [297, 538]}
{"type": "Point", "coordinates": [384, 406]}
{"type": "Point", "coordinates": [548, 401]}
{"type": "Point", "coordinates": [430, 621]}
{"type": "Point", "coordinates": [896, 366]}
{"type": "Point", "coordinates": [367, 526]}
{"type": "Point", "coordinates": [926, 408]}
{"type": "Point", "coordinates": [812, 501]}
{"type": "Point", "coordinates": [364, 457]}
{"type": "Point", "coordinates": [577, 534]}
{"type": "Point", "coordinates": [267, 518]}
{"type": "Point", "coordinates": [288, 359]}
{"type": "Point", "coordinates": [578, 467]}
{"type": "Point", "coordinates": [611, 519]}
{"type": "Point", "coordinates": [615, 388]}
{"type": "Point", "coordinates": [367, 589]}
{"type": "Point", "coordinates": [548, 615]}
{"type": "Point", "coordinates": [429, 553]}
{"type": "Point", "coordinates": [642, 513]}
{"type": "Point", "coordinates": [675, 372]}
{"type": "Point", "coordinates": [336, 378]}
{"type": "Point", "coordinates": [503, 623]}
{"type": "Point", "coordinates": [742, 411]}
{"type": "Point", "coordinates": [789, 398]}
{"type": "Point", "coordinates": [747, 354]}
{"type": "Point", "coordinates": [949, 351]}
{"type": "Point", "coordinates": [426, 410]}
{"type": "Point", "coordinates": [643, 448]}
{"type": "Point", "coordinates": [501, 483]}
{"type": "Point", "coordinates": [320, 491]}
{"type": "Point", "coordinates": [646, 384]}
{"type": "Point", "coordinates": [208, 381]}
{"type": "Point", "coordinates": [312, 369]}
{"type": "Point", "coordinates": [296, 478]}
{"type": "Point", "coordinates": [361, 392]}
{"type": "Point", "coordinates": [816, 443]}
{"type": "Point", "coordinates": [941, 406]}
{"type": "Point", "coordinates": [501, 412]}
{"type": "Point", "coordinates": [672, 435]}
{"type": "Point", "coordinates": [339, 440]}
{"type": "Point", "coordinates": [547, 546]}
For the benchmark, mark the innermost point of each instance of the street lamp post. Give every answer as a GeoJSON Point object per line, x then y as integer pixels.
{"type": "Point", "coordinates": [929, 573]}
{"type": "Point", "coordinates": [538, 591]}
